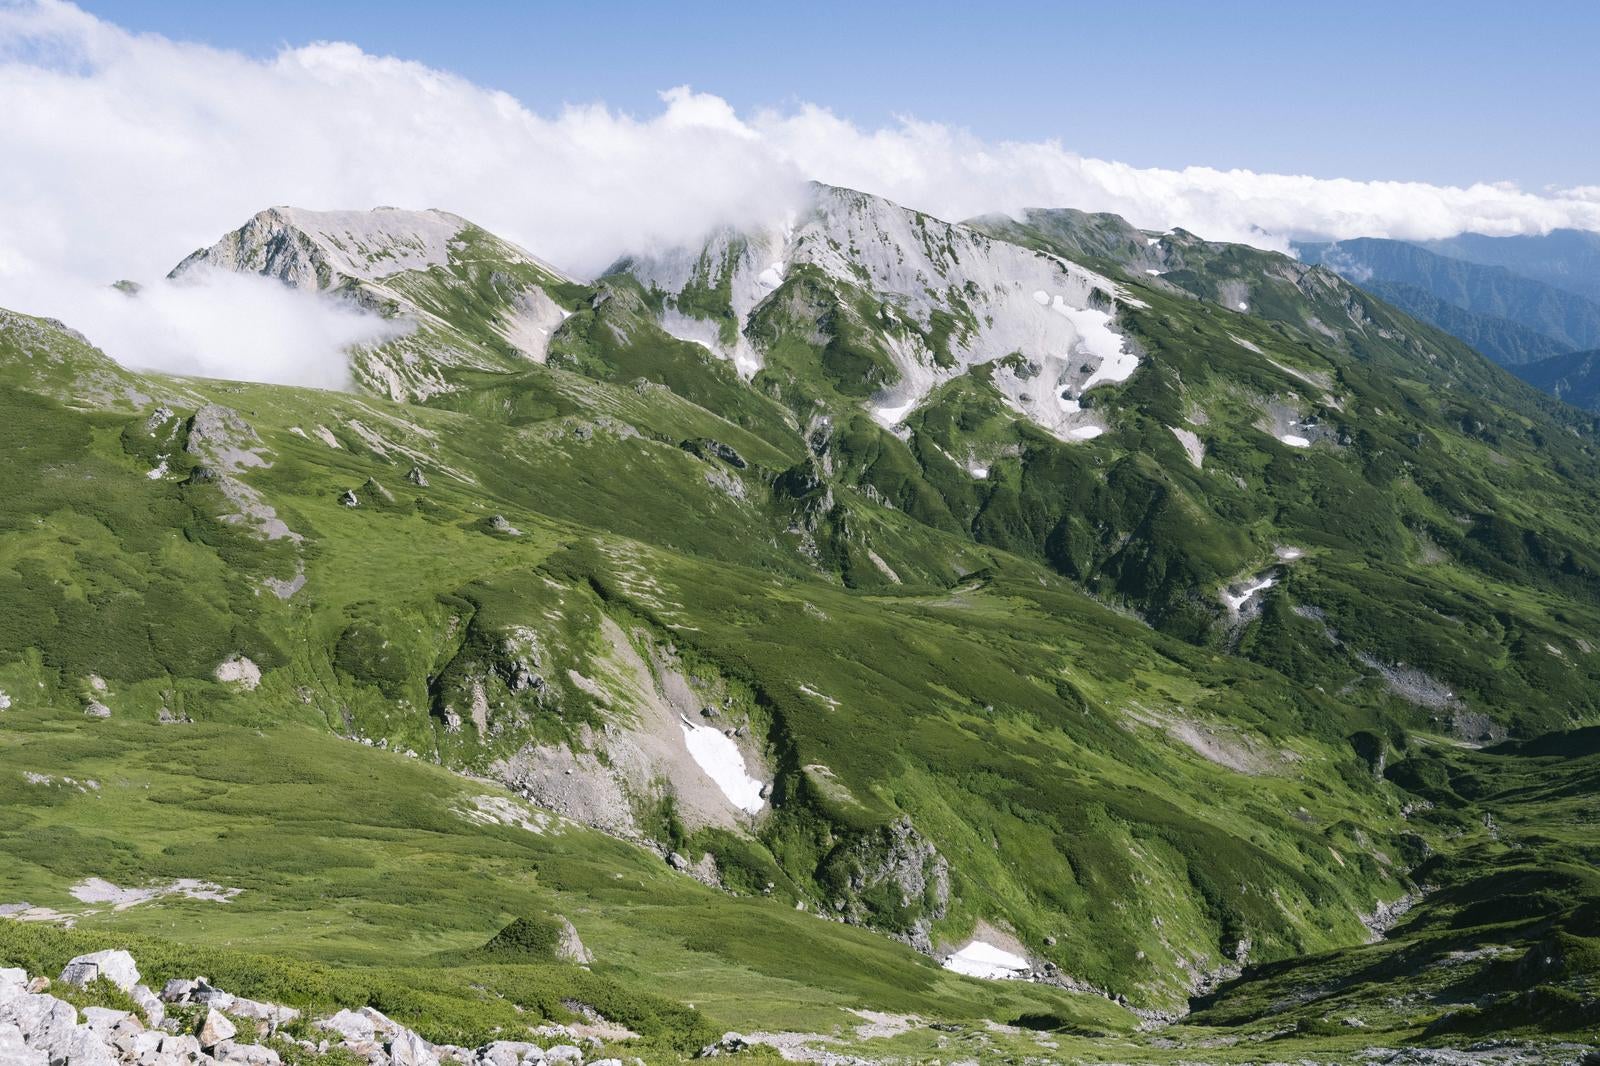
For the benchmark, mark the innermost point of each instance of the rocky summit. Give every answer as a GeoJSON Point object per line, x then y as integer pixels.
{"type": "Point", "coordinates": [859, 637]}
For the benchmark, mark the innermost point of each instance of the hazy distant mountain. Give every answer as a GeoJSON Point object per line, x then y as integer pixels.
{"type": "Point", "coordinates": [1569, 320]}
{"type": "Point", "coordinates": [1573, 376]}
{"type": "Point", "coordinates": [1566, 258]}
{"type": "Point", "coordinates": [1506, 342]}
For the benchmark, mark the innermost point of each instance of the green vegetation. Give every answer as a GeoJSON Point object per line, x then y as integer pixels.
{"type": "Point", "coordinates": [1006, 705]}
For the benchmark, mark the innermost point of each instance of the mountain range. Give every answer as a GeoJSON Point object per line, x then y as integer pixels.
{"type": "Point", "coordinates": [1025, 638]}
{"type": "Point", "coordinates": [1528, 303]}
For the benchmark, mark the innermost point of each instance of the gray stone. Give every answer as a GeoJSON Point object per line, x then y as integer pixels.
{"type": "Point", "coordinates": [148, 1002]}
{"type": "Point", "coordinates": [353, 1027]}
{"type": "Point", "coordinates": [15, 1051]}
{"type": "Point", "coordinates": [215, 1029]}
{"type": "Point", "coordinates": [409, 1049]}
{"type": "Point", "coordinates": [115, 966]}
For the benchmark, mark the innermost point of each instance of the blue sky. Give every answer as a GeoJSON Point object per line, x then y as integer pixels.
{"type": "Point", "coordinates": [1437, 92]}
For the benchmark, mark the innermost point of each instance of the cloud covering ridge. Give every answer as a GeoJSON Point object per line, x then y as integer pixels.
{"type": "Point", "coordinates": [120, 153]}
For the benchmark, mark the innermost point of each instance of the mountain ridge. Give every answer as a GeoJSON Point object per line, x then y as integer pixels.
{"type": "Point", "coordinates": [1167, 715]}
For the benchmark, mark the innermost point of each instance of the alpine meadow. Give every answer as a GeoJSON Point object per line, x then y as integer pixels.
{"type": "Point", "coordinates": [845, 635]}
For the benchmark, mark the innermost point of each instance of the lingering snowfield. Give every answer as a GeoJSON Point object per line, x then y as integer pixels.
{"type": "Point", "coordinates": [723, 762]}
{"type": "Point", "coordinates": [1008, 299]}
{"type": "Point", "coordinates": [1294, 440]}
{"type": "Point", "coordinates": [1236, 600]}
{"type": "Point", "coordinates": [1086, 432]}
{"type": "Point", "coordinates": [982, 959]}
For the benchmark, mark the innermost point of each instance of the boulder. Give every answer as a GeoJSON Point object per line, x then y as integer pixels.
{"type": "Point", "coordinates": [409, 1049]}
{"type": "Point", "coordinates": [181, 1046]}
{"type": "Point", "coordinates": [115, 966]}
{"type": "Point", "coordinates": [15, 1050]}
{"type": "Point", "coordinates": [84, 1047]}
{"type": "Point", "coordinates": [214, 1029]}
{"type": "Point", "coordinates": [273, 1014]}
{"type": "Point", "coordinates": [354, 1028]}
{"type": "Point", "coordinates": [510, 1053]}
{"type": "Point", "coordinates": [570, 947]}
{"type": "Point", "coordinates": [563, 1053]}
{"type": "Point", "coordinates": [45, 1022]}
{"type": "Point", "coordinates": [178, 990]}
{"type": "Point", "coordinates": [149, 1003]}
{"type": "Point", "coordinates": [245, 1054]}
{"type": "Point", "coordinates": [104, 1019]}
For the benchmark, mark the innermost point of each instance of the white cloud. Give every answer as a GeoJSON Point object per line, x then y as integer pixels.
{"type": "Point", "coordinates": [210, 324]}
{"type": "Point", "coordinates": [120, 153]}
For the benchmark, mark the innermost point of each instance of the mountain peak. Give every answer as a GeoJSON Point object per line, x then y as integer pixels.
{"type": "Point", "coordinates": [319, 249]}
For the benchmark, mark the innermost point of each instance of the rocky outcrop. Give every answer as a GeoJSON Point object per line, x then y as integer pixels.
{"type": "Point", "coordinates": [224, 444]}
{"type": "Point", "coordinates": [893, 879]}
{"type": "Point", "coordinates": [37, 1029]}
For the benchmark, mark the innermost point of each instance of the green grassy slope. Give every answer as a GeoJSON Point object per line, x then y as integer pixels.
{"type": "Point", "coordinates": [1012, 705]}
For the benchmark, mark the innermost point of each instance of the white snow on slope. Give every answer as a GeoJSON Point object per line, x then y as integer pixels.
{"type": "Point", "coordinates": [723, 762]}
{"type": "Point", "coordinates": [982, 959]}
{"type": "Point", "coordinates": [1294, 440]}
{"type": "Point", "coordinates": [1236, 600]}
{"type": "Point", "coordinates": [1006, 299]}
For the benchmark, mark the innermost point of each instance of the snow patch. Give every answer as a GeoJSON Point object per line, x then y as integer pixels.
{"type": "Point", "coordinates": [1294, 440]}
{"type": "Point", "coordinates": [723, 762]}
{"type": "Point", "coordinates": [1004, 296]}
{"type": "Point", "coordinates": [982, 959]}
{"type": "Point", "coordinates": [1237, 599]}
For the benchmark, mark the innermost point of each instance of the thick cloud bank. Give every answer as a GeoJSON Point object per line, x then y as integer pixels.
{"type": "Point", "coordinates": [121, 153]}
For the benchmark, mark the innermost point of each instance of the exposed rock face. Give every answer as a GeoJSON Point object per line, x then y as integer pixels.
{"type": "Point", "coordinates": [707, 448]}
{"type": "Point", "coordinates": [894, 879]}
{"type": "Point", "coordinates": [225, 444]}
{"type": "Point", "coordinates": [571, 946]}
{"type": "Point", "coordinates": [996, 298]}
{"type": "Point", "coordinates": [238, 670]}
{"type": "Point", "coordinates": [378, 260]}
